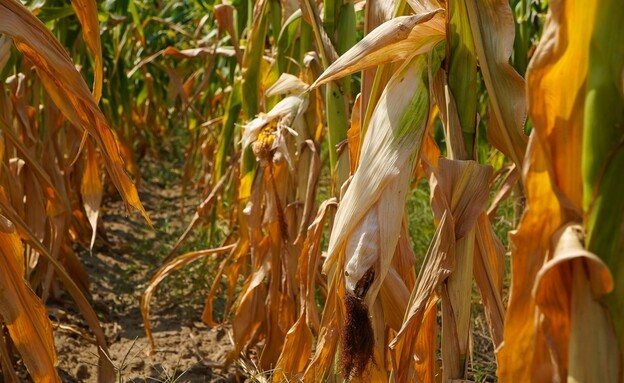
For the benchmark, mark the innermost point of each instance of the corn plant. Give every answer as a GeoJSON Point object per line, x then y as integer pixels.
{"type": "Point", "coordinates": [297, 131]}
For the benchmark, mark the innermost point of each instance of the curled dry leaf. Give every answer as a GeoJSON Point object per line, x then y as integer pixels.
{"type": "Point", "coordinates": [569, 291]}
{"type": "Point", "coordinates": [175, 264]}
{"type": "Point", "coordinates": [106, 372]}
{"type": "Point", "coordinates": [554, 195]}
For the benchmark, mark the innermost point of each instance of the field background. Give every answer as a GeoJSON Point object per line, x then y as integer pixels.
{"type": "Point", "coordinates": [280, 190]}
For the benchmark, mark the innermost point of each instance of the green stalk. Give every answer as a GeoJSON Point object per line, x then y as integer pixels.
{"type": "Point", "coordinates": [462, 84]}
{"type": "Point", "coordinates": [462, 73]}
{"type": "Point", "coordinates": [252, 62]}
{"type": "Point", "coordinates": [337, 98]}
{"type": "Point", "coordinates": [603, 152]}
{"type": "Point", "coordinates": [226, 139]}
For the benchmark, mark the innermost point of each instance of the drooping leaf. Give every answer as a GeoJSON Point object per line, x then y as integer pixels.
{"type": "Point", "coordinates": [22, 311]}
{"type": "Point", "coordinates": [492, 27]}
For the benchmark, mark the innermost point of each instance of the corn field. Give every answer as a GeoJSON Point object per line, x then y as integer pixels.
{"type": "Point", "coordinates": [305, 127]}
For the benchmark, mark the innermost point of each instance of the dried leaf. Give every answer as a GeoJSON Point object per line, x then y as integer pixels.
{"type": "Point", "coordinates": [493, 31]}
{"type": "Point", "coordinates": [23, 313]}
{"type": "Point", "coordinates": [397, 39]}
{"type": "Point", "coordinates": [91, 190]}
{"type": "Point", "coordinates": [87, 13]}
{"type": "Point", "coordinates": [575, 322]}
{"type": "Point", "coordinates": [175, 264]}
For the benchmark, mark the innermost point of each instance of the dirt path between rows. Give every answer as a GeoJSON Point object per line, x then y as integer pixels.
{"type": "Point", "coordinates": [119, 268]}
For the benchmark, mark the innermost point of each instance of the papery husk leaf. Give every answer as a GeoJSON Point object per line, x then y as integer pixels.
{"type": "Point", "coordinates": [397, 39]}
{"type": "Point", "coordinates": [68, 90]}
{"type": "Point", "coordinates": [23, 312]}
{"type": "Point", "coordinates": [378, 189]}
{"type": "Point", "coordinates": [287, 84]}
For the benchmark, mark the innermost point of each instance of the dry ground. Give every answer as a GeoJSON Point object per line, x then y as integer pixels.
{"type": "Point", "coordinates": [119, 267]}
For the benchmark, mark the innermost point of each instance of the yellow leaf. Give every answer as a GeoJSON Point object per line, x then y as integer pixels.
{"type": "Point", "coordinates": [87, 13]}
{"type": "Point", "coordinates": [91, 190]}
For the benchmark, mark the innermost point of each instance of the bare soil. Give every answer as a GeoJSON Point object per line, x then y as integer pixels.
{"type": "Point", "coordinates": [122, 262]}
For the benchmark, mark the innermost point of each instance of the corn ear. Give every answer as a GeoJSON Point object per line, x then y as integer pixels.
{"type": "Point", "coordinates": [368, 221]}
{"type": "Point", "coordinates": [389, 149]}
